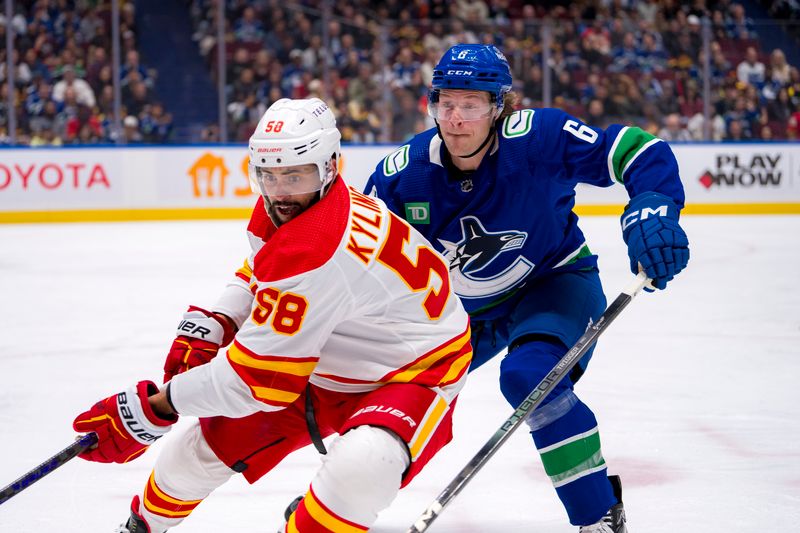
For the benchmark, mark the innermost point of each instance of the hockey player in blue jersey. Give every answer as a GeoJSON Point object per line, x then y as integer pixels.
{"type": "Point", "coordinates": [494, 190]}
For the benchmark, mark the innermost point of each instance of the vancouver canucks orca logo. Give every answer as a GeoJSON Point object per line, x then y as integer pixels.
{"type": "Point", "coordinates": [475, 251]}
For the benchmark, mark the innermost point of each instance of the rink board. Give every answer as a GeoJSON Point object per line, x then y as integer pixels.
{"type": "Point", "coordinates": [210, 182]}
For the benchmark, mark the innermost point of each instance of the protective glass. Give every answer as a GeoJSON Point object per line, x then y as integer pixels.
{"type": "Point", "coordinates": [286, 181]}
{"type": "Point", "coordinates": [466, 110]}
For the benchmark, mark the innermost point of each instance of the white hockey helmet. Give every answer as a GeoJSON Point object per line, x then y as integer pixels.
{"type": "Point", "coordinates": [291, 133]}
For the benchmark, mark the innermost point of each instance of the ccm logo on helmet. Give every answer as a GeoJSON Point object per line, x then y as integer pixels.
{"type": "Point", "coordinates": [459, 73]}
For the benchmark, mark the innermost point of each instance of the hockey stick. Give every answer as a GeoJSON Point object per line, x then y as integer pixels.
{"type": "Point", "coordinates": [32, 476]}
{"type": "Point", "coordinates": [530, 403]}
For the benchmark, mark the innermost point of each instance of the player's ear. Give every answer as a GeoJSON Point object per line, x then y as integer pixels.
{"type": "Point", "coordinates": [333, 168]}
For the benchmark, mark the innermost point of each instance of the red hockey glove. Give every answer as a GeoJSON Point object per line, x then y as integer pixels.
{"type": "Point", "coordinates": [200, 335]}
{"type": "Point", "coordinates": [125, 425]}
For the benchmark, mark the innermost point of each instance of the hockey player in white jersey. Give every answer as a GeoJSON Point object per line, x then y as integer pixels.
{"type": "Point", "coordinates": [342, 320]}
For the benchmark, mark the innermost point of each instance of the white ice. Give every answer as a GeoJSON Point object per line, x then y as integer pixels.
{"type": "Point", "coordinates": [695, 387]}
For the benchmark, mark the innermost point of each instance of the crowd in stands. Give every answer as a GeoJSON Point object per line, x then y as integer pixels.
{"type": "Point", "coordinates": [63, 81]}
{"type": "Point", "coordinates": [637, 62]}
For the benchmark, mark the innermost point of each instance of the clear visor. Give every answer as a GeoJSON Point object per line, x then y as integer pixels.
{"type": "Point", "coordinates": [285, 181]}
{"type": "Point", "coordinates": [466, 110]}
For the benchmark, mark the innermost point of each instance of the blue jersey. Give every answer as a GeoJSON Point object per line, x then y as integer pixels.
{"type": "Point", "coordinates": [511, 220]}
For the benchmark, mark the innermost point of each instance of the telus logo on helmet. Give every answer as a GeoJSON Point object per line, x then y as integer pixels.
{"type": "Point", "coordinates": [320, 110]}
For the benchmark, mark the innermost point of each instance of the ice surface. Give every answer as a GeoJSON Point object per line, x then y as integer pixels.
{"type": "Point", "coordinates": [695, 388]}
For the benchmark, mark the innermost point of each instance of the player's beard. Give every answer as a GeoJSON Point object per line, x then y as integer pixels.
{"type": "Point", "coordinates": [282, 212]}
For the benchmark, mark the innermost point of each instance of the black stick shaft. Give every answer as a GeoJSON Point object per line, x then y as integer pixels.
{"type": "Point", "coordinates": [531, 402]}
{"type": "Point", "coordinates": [34, 475]}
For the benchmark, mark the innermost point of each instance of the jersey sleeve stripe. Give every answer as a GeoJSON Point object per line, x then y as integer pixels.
{"type": "Point", "coordinates": [295, 366]}
{"type": "Point", "coordinates": [628, 145]}
{"type": "Point", "coordinates": [581, 251]}
{"type": "Point", "coordinates": [245, 272]}
{"type": "Point", "coordinates": [274, 380]}
{"type": "Point", "coordinates": [275, 396]}
{"type": "Point", "coordinates": [639, 152]}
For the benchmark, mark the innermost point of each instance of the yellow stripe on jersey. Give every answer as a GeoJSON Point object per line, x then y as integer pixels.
{"type": "Point", "coordinates": [298, 368]}
{"type": "Point", "coordinates": [427, 427]}
{"type": "Point", "coordinates": [427, 361]}
{"type": "Point", "coordinates": [457, 367]}
{"type": "Point", "coordinates": [266, 394]}
{"type": "Point", "coordinates": [246, 271]}
{"type": "Point", "coordinates": [325, 518]}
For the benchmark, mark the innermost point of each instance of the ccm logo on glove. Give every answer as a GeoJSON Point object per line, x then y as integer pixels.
{"type": "Point", "coordinates": [656, 242]}
{"type": "Point", "coordinates": [643, 214]}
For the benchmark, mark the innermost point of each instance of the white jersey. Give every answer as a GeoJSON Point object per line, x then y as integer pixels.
{"type": "Point", "coordinates": [347, 296]}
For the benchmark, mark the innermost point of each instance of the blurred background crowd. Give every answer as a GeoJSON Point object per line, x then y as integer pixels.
{"type": "Point", "coordinates": [686, 71]}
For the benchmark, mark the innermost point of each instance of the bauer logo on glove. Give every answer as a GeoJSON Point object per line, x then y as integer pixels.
{"type": "Point", "coordinates": [135, 428]}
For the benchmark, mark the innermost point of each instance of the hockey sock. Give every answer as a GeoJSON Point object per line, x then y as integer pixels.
{"type": "Point", "coordinates": [564, 430]}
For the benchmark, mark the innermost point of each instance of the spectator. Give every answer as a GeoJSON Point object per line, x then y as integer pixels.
{"type": "Point", "coordinates": [751, 70]}
{"type": "Point", "coordinates": [249, 29]}
{"type": "Point", "coordinates": [781, 71]}
{"type": "Point", "coordinates": [83, 91]}
{"type": "Point", "coordinates": [44, 137]}
{"type": "Point", "coordinates": [135, 96]}
{"type": "Point", "coordinates": [84, 118]}
{"type": "Point", "coordinates": [22, 72]}
{"type": "Point", "coordinates": [130, 130]}
{"type": "Point", "coordinates": [596, 113]}
{"type": "Point", "coordinates": [359, 88]}
{"type": "Point", "coordinates": [97, 61]}
{"type": "Point", "coordinates": [668, 102]}
{"type": "Point", "coordinates": [673, 130]}
{"type": "Point", "coordinates": [404, 68]}
{"type": "Point", "coordinates": [651, 54]}
{"type": "Point", "coordinates": [132, 65]}
{"type": "Point", "coordinates": [470, 10]}
{"type": "Point", "coordinates": [647, 10]}
{"type": "Point", "coordinates": [738, 25]}
{"type": "Point", "coordinates": [626, 56]}
{"type": "Point", "coordinates": [736, 131]}
{"type": "Point", "coordinates": [156, 124]}
{"type": "Point", "coordinates": [596, 42]}
{"type": "Point", "coordinates": [695, 127]}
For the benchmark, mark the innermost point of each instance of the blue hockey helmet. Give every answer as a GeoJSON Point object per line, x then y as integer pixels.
{"type": "Point", "coordinates": [476, 67]}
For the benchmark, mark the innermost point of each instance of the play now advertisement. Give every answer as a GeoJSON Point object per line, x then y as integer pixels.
{"type": "Point", "coordinates": [197, 181]}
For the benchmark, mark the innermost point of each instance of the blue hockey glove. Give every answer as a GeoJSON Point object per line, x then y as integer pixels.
{"type": "Point", "coordinates": [655, 239]}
